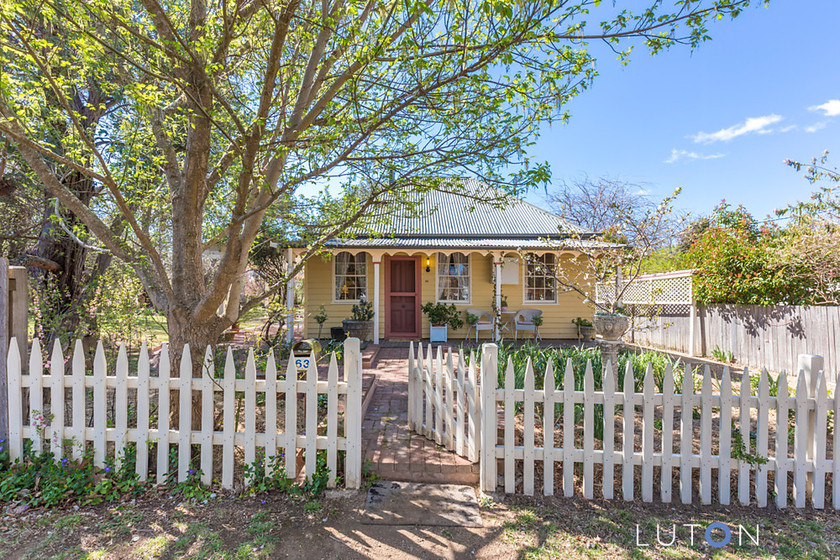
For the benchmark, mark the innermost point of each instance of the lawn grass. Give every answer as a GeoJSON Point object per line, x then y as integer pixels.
{"type": "Point", "coordinates": [149, 325]}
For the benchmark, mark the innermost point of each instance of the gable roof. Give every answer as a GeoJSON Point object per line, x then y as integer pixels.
{"type": "Point", "coordinates": [448, 214]}
{"type": "Point", "coordinates": [442, 219]}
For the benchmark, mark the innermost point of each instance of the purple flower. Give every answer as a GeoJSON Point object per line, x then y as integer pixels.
{"type": "Point", "coordinates": [263, 502]}
{"type": "Point", "coordinates": [107, 469]}
{"type": "Point", "coordinates": [190, 471]}
{"type": "Point", "coordinates": [64, 462]}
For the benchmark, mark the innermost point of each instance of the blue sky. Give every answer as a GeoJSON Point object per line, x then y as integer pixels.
{"type": "Point", "coordinates": [718, 121]}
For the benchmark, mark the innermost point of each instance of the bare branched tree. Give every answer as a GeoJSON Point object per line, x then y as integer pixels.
{"type": "Point", "coordinates": [615, 209]}
{"type": "Point", "coordinates": [605, 259]}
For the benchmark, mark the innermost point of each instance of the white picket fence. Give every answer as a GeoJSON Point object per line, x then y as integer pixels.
{"type": "Point", "coordinates": [706, 445]}
{"type": "Point", "coordinates": [443, 400]}
{"type": "Point", "coordinates": [71, 436]}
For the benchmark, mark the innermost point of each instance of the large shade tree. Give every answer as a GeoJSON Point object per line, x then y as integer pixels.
{"type": "Point", "coordinates": [196, 121]}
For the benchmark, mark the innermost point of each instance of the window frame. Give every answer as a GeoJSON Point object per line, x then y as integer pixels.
{"type": "Point", "coordinates": [468, 301]}
{"type": "Point", "coordinates": [527, 263]}
{"type": "Point", "coordinates": [335, 300]}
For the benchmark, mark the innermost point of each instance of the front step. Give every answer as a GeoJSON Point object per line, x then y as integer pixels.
{"type": "Point", "coordinates": [470, 478]}
{"type": "Point", "coordinates": [369, 355]}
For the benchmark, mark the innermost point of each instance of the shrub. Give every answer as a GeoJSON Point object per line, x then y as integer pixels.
{"type": "Point", "coordinates": [442, 314]}
{"type": "Point", "coordinates": [734, 259]}
{"type": "Point", "coordinates": [362, 311]}
{"type": "Point", "coordinates": [581, 322]}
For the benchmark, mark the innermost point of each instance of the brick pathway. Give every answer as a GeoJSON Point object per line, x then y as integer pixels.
{"type": "Point", "coordinates": [395, 452]}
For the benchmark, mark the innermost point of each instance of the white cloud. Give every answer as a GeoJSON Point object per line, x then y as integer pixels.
{"type": "Point", "coordinates": [754, 124]}
{"type": "Point", "coordinates": [816, 126]}
{"type": "Point", "coordinates": [787, 128]}
{"type": "Point", "coordinates": [830, 108]}
{"type": "Point", "coordinates": [677, 155]}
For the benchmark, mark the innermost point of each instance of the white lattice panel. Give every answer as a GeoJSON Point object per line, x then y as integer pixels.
{"type": "Point", "coordinates": [671, 288]}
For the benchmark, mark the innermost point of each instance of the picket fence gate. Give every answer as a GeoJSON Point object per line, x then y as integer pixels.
{"type": "Point", "coordinates": [443, 401]}
{"type": "Point", "coordinates": [69, 436]}
{"type": "Point", "coordinates": [501, 456]}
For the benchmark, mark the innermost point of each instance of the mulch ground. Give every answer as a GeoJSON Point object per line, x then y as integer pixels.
{"type": "Point", "coordinates": [278, 526]}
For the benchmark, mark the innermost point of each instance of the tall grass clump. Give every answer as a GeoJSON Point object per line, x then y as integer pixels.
{"type": "Point", "coordinates": [579, 356]}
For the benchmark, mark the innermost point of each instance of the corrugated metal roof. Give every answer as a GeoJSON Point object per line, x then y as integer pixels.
{"type": "Point", "coordinates": [465, 243]}
{"type": "Point", "coordinates": [447, 214]}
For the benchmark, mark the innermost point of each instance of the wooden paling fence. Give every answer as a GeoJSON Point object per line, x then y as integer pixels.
{"type": "Point", "coordinates": [149, 426]}
{"type": "Point", "coordinates": [758, 336]}
{"type": "Point", "coordinates": [715, 441]}
{"type": "Point", "coordinates": [443, 400]}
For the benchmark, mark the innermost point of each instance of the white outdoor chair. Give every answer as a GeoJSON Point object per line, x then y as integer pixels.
{"type": "Point", "coordinates": [524, 321]}
{"type": "Point", "coordinates": [485, 322]}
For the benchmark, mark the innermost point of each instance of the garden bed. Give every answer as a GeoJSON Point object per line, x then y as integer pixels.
{"type": "Point", "coordinates": [658, 364]}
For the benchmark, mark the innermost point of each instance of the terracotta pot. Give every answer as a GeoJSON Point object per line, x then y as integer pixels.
{"type": "Point", "coordinates": [611, 327]}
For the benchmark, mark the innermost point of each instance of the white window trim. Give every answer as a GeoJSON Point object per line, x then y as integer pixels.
{"type": "Point", "coordinates": [437, 280]}
{"type": "Point", "coordinates": [525, 300]}
{"type": "Point", "coordinates": [332, 290]}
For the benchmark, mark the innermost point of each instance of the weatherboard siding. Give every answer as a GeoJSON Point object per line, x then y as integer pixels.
{"type": "Point", "coordinates": [557, 317]}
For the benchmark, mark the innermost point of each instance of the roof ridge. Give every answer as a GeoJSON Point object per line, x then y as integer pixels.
{"type": "Point", "coordinates": [465, 207]}
{"type": "Point", "coordinates": [572, 226]}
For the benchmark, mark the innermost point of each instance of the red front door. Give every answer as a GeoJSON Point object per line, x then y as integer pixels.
{"type": "Point", "coordinates": [402, 297]}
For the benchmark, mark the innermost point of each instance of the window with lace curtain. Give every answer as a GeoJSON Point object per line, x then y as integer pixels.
{"type": "Point", "coordinates": [453, 280]}
{"type": "Point", "coordinates": [540, 282]}
{"type": "Point", "coordinates": [350, 275]}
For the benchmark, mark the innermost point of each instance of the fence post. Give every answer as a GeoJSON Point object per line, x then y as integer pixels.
{"type": "Point", "coordinates": [489, 382]}
{"type": "Point", "coordinates": [811, 365]}
{"type": "Point", "coordinates": [411, 389]}
{"type": "Point", "coordinates": [692, 318]}
{"type": "Point", "coordinates": [19, 308]}
{"type": "Point", "coordinates": [353, 429]}
{"type": "Point", "coordinates": [4, 348]}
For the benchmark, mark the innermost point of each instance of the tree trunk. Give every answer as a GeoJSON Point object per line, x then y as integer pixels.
{"type": "Point", "coordinates": [63, 291]}
{"type": "Point", "coordinates": [183, 330]}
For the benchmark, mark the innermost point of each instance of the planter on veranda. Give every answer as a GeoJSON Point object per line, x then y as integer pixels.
{"type": "Point", "coordinates": [363, 330]}
{"type": "Point", "coordinates": [437, 333]}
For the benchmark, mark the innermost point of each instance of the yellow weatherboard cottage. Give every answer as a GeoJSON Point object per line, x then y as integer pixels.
{"type": "Point", "coordinates": [455, 250]}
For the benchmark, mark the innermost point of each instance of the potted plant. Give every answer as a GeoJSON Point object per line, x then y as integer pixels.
{"type": "Point", "coordinates": [584, 327]}
{"type": "Point", "coordinates": [504, 302]}
{"type": "Point", "coordinates": [321, 318]}
{"type": "Point", "coordinates": [611, 325]}
{"type": "Point", "coordinates": [440, 317]}
{"type": "Point", "coordinates": [471, 318]}
{"type": "Point", "coordinates": [360, 323]}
